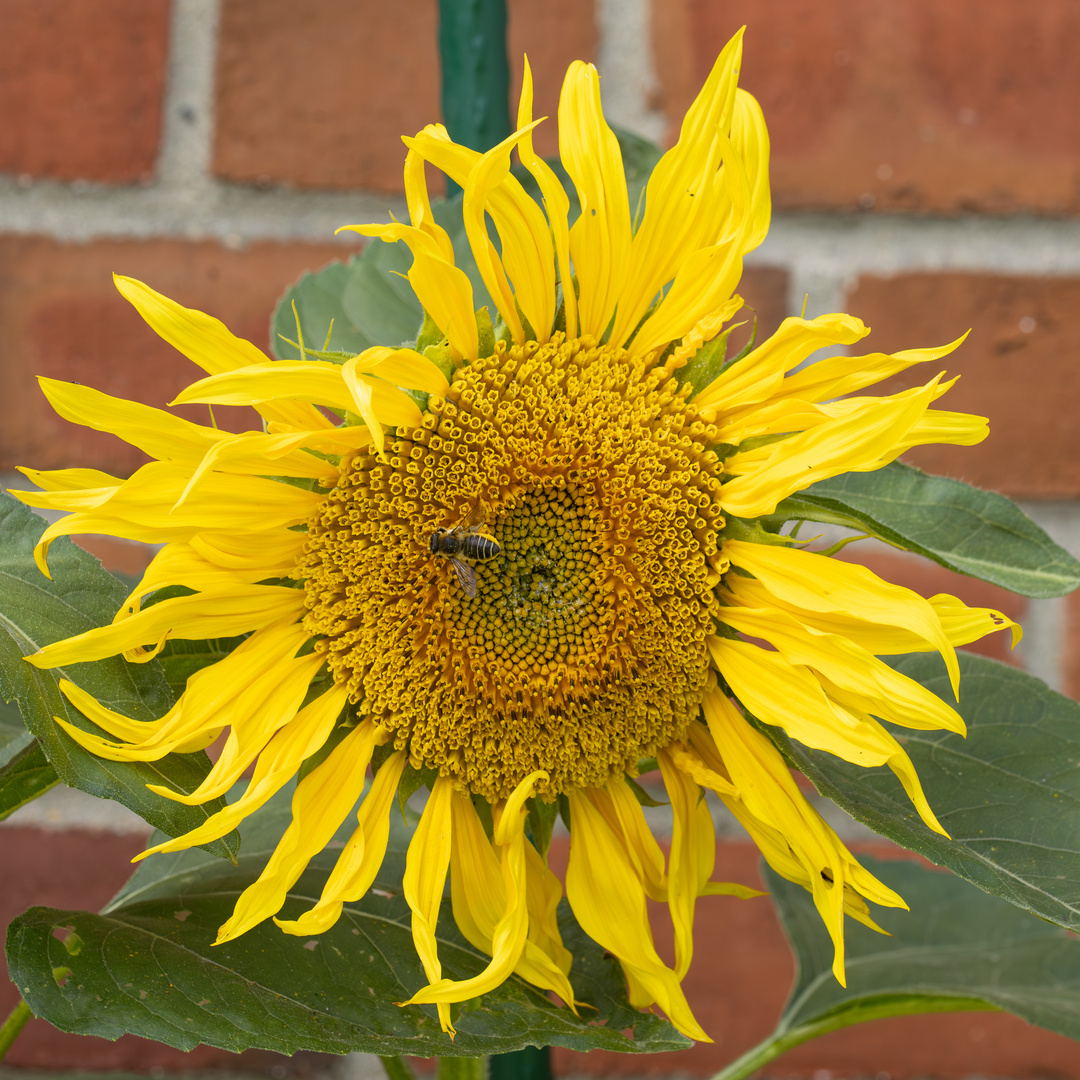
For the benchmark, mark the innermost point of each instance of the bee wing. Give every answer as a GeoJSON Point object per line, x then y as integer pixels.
{"type": "Point", "coordinates": [475, 516]}
{"type": "Point", "coordinates": [466, 577]}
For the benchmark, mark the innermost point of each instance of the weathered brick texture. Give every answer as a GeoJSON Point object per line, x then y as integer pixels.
{"type": "Point", "coordinates": [81, 85]}
{"type": "Point", "coordinates": [1018, 368]}
{"type": "Point", "coordinates": [319, 94]}
{"type": "Point", "coordinates": [63, 318]}
{"type": "Point", "coordinates": [946, 107]}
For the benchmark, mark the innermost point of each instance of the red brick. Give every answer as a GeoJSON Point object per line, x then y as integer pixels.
{"type": "Point", "coordinates": [81, 84]}
{"type": "Point", "coordinates": [81, 870]}
{"type": "Point", "coordinates": [765, 292]}
{"type": "Point", "coordinates": [1018, 369]}
{"type": "Point", "coordinates": [117, 555]}
{"type": "Point", "coordinates": [928, 579]}
{"type": "Point", "coordinates": [62, 317]}
{"type": "Point", "coordinates": [318, 95]}
{"type": "Point", "coordinates": [945, 107]}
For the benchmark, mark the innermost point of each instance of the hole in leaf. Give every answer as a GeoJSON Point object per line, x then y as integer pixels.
{"type": "Point", "coordinates": [61, 975]}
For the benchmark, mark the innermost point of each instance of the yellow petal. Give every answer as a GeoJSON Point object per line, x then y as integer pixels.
{"type": "Point", "coordinates": [856, 443]}
{"type": "Point", "coordinates": [425, 876]}
{"type": "Point", "coordinates": [277, 765]}
{"type": "Point", "coordinates": [209, 343]}
{"type": "Point", "coordinates": [868, 684]}
{"type": "Point", "coordinates": [605, 891]}
{"type": "Point", "coordinates": [416, 197]}
{"type": "Point", "coordinates": [154, 431]}
{"type": "Point", "coordinates": [681, 216]}
{"type": "Point", "coordinates": [760, 374]}
{"type": "Point", "coordinates": [320, 804]}
{"type": "Point", "coordinates": [789, 696]}
{"type": "Point", "coordinates": [600, 238]}
{"type": "Point", "coordinates": [835, 376]}
{"type": "Point", "coordinates": [707, 276]}
{"type": "Point", "coordinates": [257, 713]}
{"type": "Point", "coordinates": [816, 583]}
{"type": "Point", "coordinates": [390, 405]}
{"type": "Point", "coordinates": [693, 855]}
{"type": "Point", "coordinates": [963, 624]}
{"type": "Point", "coordinates": [793, 837]}
{"type": "Point", "coordinates": [243, 609]}
{"type": "Point", "coordinates": [556, 201]}
{"type": "Point", "coordinates": [363, 854]}
{"type": "Point", "coordinates": [750, 137]}
{"type": "Point", "coordinates": [508, 935]}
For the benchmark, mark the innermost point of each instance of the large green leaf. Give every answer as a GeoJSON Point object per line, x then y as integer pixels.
{"type": "Point", "coordinates": [35, 611]}
{"type": "Point", "coordinates": [1008, 794]}
{"type": "Point", "coordinates": [147, 965]}
{"type": "Point", "coordinates": [25, 772]}
{"type": "Point", "coordinates": [958, 949]}
{"type": "Point", "coordinates": [975, 532]}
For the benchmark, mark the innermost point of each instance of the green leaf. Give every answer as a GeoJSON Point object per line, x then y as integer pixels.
{"type": "Point", "coordinates": [147, 965]}
{"type": "Point", "coordinates": [24, 776]}
{"type": "Point", "coordinates": [1008, 794]}
{"type": "Point", "coordinates": [978, 533]}
{"type": "Point", "coordinates": [958, 949]}
{"type": "Point", "coordinates": [25, 772]}
{"type": "Point", "coordinates": [34, 612]}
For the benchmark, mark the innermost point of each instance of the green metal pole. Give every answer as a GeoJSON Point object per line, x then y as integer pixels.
{"type": "Point", "coordinates": [532, 1063]}
{"type": "Point", "coordinates": [475, 73]}
{"type": "Point", "coordinates": [476, 111]}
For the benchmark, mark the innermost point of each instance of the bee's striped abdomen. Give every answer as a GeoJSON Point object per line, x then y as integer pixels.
{"type": "Point", "coordinates": [479, 547]}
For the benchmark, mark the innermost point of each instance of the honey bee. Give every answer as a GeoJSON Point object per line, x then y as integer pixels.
{"type": "Point", "coordinates": [464, 545]}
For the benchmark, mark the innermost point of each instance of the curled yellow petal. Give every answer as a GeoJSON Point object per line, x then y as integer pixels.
{"type": "Point", "coordinates": [360, 859]}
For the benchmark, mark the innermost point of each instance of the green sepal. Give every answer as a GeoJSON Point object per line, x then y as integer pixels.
{"type": "Point", "coordinates": [542, 817]}
{"type": "Point", "coordinates": [753, 530]}
{"type": "Point", "coordinates": [706, 363]}
{"type": "Point", "coordinates": [642, 796]}
{"type": "Point", "coordinates": [412, 780]}
{"type": "Point", "coordinates": [485, 330]}
{"type": "Point", "coordinates": [442, 358]}
{"type": "Point", "coordinates": [430, 334]}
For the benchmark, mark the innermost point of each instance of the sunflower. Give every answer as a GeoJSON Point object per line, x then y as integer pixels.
{"type": "Point", "coordinates": [561, 566]}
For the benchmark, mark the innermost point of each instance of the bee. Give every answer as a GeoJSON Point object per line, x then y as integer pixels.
{"type": "Point", "coordinates": [464, 545]}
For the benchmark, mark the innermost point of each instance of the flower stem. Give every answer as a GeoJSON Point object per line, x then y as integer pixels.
{"type": "Point", "coordinates": [396, 1067]}
{"type": "Point", "coordinates": [462, 1068]}
{"type": "Point", "coordinates": [15, 1022]}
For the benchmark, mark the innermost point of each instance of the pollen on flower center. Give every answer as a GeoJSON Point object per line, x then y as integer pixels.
{"type": "Point", "coordinates": [584, 647]}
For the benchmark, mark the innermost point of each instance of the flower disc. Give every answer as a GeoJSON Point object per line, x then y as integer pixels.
{"type": "Point", "coordinates": [584, 647]}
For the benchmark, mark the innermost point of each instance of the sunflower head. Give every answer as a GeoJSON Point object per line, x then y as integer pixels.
{"type": "Point", "coordinates": [583, 649]}
{"type": "Point", "coordinates": [552, 570]}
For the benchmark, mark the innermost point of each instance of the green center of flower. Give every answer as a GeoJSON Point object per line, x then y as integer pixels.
{"type": "Point", "coordinates": [583, 648]}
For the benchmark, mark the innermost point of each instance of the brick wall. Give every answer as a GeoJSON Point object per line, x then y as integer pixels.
{"type": "Point", "coordinates": [925, 165]}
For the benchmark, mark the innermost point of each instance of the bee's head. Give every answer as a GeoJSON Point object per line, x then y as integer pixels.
{"type": "Point", "coordinates": [434, 545]}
